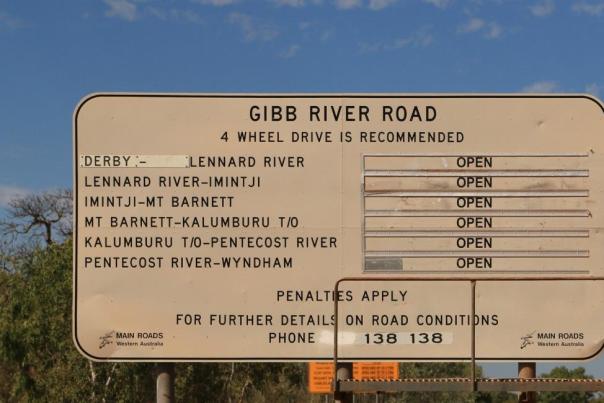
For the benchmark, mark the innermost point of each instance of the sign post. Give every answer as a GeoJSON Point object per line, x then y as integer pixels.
{"type": "Point", "coordinates": [212, 227]}
{"type": "Point", "coordinates": [343, 372]}
{"type": "Point", "coordinates": [165, 383]}
{"type": "Point", "coordinates": [527, 370]}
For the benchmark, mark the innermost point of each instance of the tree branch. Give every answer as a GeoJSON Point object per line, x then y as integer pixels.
{"type": "Point", "coordinates": [92, 380]}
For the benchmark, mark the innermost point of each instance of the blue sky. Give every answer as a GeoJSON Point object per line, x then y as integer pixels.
{"type": "Point", "coordinates": [53, 53]}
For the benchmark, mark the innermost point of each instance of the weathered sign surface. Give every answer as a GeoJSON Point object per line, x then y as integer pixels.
{"type": "Point", "coordinates": [214, 227]}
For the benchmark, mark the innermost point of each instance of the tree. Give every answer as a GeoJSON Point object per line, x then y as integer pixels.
{"type": "Point", "coordinates": [36, 348]}
{"type": "Point", "coordinates": [566, 397]}
{"type": "Point", "coordinates": [6, 372]}
{"type": "Point", "coordinates": [47, 215]}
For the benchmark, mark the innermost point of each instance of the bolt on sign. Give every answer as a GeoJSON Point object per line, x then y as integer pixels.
{"type": "Point", "coordinates": [320, 374]}
{"type": "Point", "coordinates": [214, 227]}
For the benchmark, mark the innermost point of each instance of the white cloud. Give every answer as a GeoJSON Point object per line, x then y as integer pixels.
{"type": "Point", "coordinates": [290, 3]}
{"type": "Point", "coordinates": [316, 30]}
{"type": "Point", "coordinates": [380, 4]}
{"type": "Point", "coordinates": [420, 39]}
{"type": "Point", "coordinates": [584, 7]}
{"type": "Point", "coordinates": [473, 25]}
{"type": "Point", "coordinates": [593, 89]}
{"type": "Point", "coordinates": [175, 15]}
{"type": "Point", "coordinates": [543, 9]}
{"type": "Point", "coordinates": [123, 9]}
{"type": "Point", "coordinates": [296, 3]}
{"type": "Point", "coordinates": [490, 30]}
{"type": "Point", "coordinates": [252, 30]}
{"type": "Point", "coordinates": [438, 3]}
{"type": "Point", "coordinates": [8, 193]}
{"type": "Point", "coordinates": [187, 15]}
{"type": "Point", "coordinates": [541, 87]}
{"type": "Point", "coordinates": [325, 35]}
{"type": "Point", "coordinates": [216, 3]}
{"type": "Point", "coordinates": [347, 4]}
{"type": "Point", "coordinates": [290, 52]}
{"type": "Point", "coordinates": [9, 22]}
{"type": "Point", "coordinates": [494, 31]}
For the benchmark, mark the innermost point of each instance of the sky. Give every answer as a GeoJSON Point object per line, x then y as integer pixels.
{"type": "Point", "coordinates": [54, 53]}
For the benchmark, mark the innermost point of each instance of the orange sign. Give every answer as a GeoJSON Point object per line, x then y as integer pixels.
{"type": "Point", "coordinates": [375, 370]}
{"type": "Point", "coordinates": [320, 374]}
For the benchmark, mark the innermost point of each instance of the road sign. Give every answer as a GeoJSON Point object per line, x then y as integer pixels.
{"type": "Point", "coordinates": [374, 370]}
{"type": "Point", "coordinates": [320, 377]}
{"type": "Point", "coordinates": [214, 227]}
{"type": "Point", "coordinates": [320, 374]}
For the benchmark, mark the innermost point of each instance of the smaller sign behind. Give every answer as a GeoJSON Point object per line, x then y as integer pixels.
{"type": "Point", "coordinates": [320, 374]}
{"type": "Point", "coordinates": [375, 370]}
{"type": "Point", "coordinates": [319, 377]}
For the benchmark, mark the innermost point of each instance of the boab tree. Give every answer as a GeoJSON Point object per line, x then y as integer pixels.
{"type": "Point", "coordinates": [47, 215]}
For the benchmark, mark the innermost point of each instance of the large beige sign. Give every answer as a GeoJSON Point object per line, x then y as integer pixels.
{"type": "Point", "coordinates": [214, 227]}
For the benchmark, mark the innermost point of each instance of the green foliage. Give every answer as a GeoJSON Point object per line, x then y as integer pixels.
{"type": "Point", "coordinates": [242, 382]}
{"type": "Point", "coordinates": [6, 372]}
{"type": "Point", "coordinates": [445, 370]}
{"type": "Point", "coordinates": [39, 361]}
{"type": "Point", "coordinates": [566, 397]}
